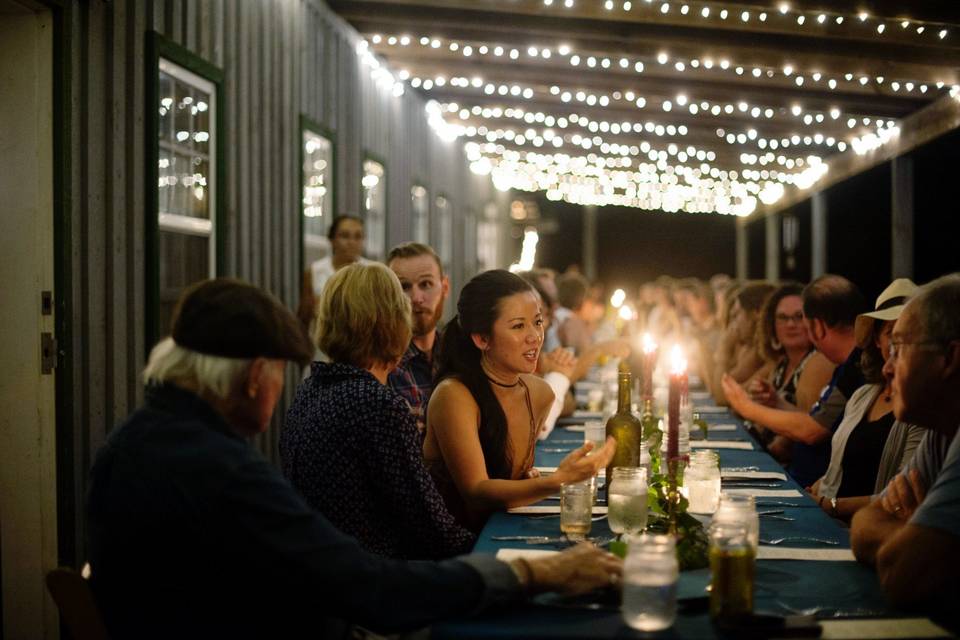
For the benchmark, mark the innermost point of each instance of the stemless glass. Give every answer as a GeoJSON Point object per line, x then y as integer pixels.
{"type": "Point", "coordinates": [576, 509]}
{"type": "Point", "coordinates": [702, 480]}
{"type": "Point", "coordinates": [736, 508]}
{"type": "Point", "coordinates": [595, 431]}
{"type": "Point", "coordinates": [627, 500]}
{"type": "Point", "coordinates": [650, 583]}
{"type": "Point", "coordinates": [731, 569]}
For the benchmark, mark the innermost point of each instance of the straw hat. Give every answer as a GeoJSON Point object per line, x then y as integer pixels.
{"type": "Point", "coordinates": [889, 305]}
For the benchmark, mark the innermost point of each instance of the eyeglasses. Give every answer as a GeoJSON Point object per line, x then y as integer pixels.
{"type": "Point", "coordinates": [896, 346]}
{"type": "Point", "coordinates": [783, 318]}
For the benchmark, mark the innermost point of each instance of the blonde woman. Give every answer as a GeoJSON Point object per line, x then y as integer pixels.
{"type": "Point", "coordinates": [350, 445]}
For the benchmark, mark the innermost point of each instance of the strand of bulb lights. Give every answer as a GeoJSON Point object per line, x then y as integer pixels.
{"type": "Point", "coordinates": [784, 13]}
{"type": "Point", "coordinates": [721, 66]}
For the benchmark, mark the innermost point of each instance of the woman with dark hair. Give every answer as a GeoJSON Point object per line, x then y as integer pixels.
{"type": "Point", "coordinates": [870, 445]}
{"type": "Point", "coordinates": [794, 372]}
{"type": "Point", "coordinates": [737, 355]}
{"type": "Point", "coordinates": [488, 406]}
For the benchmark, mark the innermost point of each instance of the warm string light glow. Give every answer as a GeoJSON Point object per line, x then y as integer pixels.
{"type": "Point", "coordinates": [639, 64]}
{"type": "Point", "coordinates": [618, 298]}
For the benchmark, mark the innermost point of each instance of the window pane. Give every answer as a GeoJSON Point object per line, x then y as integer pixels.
{"type": "Point", "coordinates": [420, 200]}
{"type": "Point", "coordinates": [184, 259]}
{"type": "Point", "coordinates": [374, 208]}
{"type": "Point", "coordinates": [185, 170]}
{"type": "Point", "coordinates": [317, 196]}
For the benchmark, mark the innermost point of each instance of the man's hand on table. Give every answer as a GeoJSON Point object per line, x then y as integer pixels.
{"type": "Point", "coordinates": [577, 570]}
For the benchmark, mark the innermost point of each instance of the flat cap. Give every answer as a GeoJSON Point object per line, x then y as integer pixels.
{"type": "Point", "coordinates": [234, 319]}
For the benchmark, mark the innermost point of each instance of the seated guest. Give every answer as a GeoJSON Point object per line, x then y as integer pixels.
{"type": "Point", "coordinates": [912, 532]}
{"type": "Point", "coordinates": [737, 356]}
{"type": "Point", "coordinates": [870, 446]}
{"type": "Point", "coordinates": [350, 445]}
{"type": "Point", "coordinates": [488, 407]}
{"type": "Point", "coordinates": [792, 369]}
{"type": "Point", "coordinates": [424, 283]}
{"type": "Point", "coordinates": [831, 305]}
{"type": "Point", "coordinates": [576, 312]}
{"type": "Point", "coordinates": [193, 534]}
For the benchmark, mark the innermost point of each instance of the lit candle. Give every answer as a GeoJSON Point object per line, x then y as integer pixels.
{"type": "Point", "coordinates": [678, 388]}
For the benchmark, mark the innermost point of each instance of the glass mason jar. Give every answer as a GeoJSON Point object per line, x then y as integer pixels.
{"type": "Point", "coordinates": [650, 575]}
{"type": "Point", "coordinates": [736, 508]}
{"type": "Point", "coordinates": [702, 481]}
{"type": "Point", "coordinates": [576, 508]}
{"type": "Point", "coordinates": [627, 500]}
{"type": "Point", "coordinates": [731, 570]}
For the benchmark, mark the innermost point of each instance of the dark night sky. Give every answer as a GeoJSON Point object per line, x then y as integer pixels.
{"type": "Point", "coordinates": [635, 245]}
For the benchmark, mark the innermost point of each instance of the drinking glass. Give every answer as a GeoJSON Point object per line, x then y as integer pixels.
{"type": "Point", "coordinates": [576, 508]}
{"type": "Point", "coordinates": [595, 431]}
{"type": "Point", "coordinates": [650, 583]}
{"type": "Point", "coordinates": [741, 509]}
{"type": "Point", "coordinates": [627, 500]}
{"type": "Point", "coordinates": [731, 569]}
{"type": "Point", "coordinates": [702, 481]}
{"type": "Point", "coordinates": [595, 399]}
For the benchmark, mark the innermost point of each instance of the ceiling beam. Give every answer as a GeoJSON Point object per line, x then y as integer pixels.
{"type": "Point", "coordinates": [931, 122]}
{"type": "Point", "coordinates": [532, 19]}
{"type": "Point", "coordinates": [655, 90]}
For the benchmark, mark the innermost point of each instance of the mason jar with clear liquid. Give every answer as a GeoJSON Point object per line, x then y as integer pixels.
{"type": "Point", "coordinates": [650, 575]}
{"type": "Point", "coordinates": [702, 481]}
{"type": "Point", "coordinates": [627, 500]}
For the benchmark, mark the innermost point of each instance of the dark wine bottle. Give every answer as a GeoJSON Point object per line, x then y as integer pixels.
{"type": "Point", "coordinates": [623, 426]}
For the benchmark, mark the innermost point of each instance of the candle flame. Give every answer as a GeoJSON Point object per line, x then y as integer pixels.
{"type": "Point", "coordinates": [649, 346]}
{"type": "Point", "coordinates": [626, 313]}
{"type": "Point", "coordinates": [678, 363]}
{"type": "Point", "coordinates": [617, 299]}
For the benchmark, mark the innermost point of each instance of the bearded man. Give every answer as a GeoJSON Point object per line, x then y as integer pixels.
{"type": "Point", "coordinates": [421, 276]}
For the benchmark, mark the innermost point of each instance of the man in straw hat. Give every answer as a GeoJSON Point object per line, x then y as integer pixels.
{"type": "Point", "coordinates": [194, 534]}
{"type": "Point", "coordinates": [912, 531]}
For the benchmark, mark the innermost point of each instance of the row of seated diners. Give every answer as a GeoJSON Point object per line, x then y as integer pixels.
{"type": "Point", "coordinates": [380, 491]}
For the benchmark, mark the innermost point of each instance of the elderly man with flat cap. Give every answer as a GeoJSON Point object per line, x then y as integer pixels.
{"type": "Point", "coordinates": [194, 534]}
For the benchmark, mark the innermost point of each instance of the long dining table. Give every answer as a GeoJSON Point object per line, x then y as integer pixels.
{"type": "Point", "coordinates": [800, 576]}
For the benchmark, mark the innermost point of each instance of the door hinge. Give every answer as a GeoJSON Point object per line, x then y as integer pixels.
{"type": "Point", "coordinates": [48, 353]}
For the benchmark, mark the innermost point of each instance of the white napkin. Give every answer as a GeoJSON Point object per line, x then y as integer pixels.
{"type": "Point", "coordinates": [765, 493]}
{"type": "Point", "coordinates": [766, 552]}
{"type": "Point", "coordinates": [549, 508]}
{"type": "Point", "coordinates": [587, 415]}
{"type": "Point", "coordinates": [575, 427]}
{"type": "Point", "coordinates": [759, 475]}
{"type": "Point", "coordinates": [722, 427]}
{"type": "Point", "coordinates": [721, 444]}
{"type": "Point", "coordinates": [506, 555]}
{"type": "Point", "coordinates": [699, 395]}
{"type": "Point", "coordinates": [547, 470]}
{"type": "Point", "coordinates": [881, 629]}
{"type": "Point", "coordinates": [709, 409]}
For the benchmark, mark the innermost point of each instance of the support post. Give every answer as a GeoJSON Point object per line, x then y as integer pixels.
{"type": "Point", "coordinates": [901, 217]}
{"type": "Point", "coordinates": [818, 234]}
{"type": "Point", "coordinates": [772, 270]}
{"type": "Point", "coordinates": [590, 242]}
{"type": "Point", "coordinates": [742, 249]}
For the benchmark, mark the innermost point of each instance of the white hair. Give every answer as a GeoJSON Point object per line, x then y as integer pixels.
{"type": "Point", "coordinates": [169, 362]}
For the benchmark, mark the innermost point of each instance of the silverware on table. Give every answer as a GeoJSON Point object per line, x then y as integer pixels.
{"type": "Point", "coordinates": [776, 541]}
{"type": "Point", "coordinates": [555, 449]}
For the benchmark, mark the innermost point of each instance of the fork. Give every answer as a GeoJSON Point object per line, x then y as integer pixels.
{"type": "Point", "coordinates": [776, 541]}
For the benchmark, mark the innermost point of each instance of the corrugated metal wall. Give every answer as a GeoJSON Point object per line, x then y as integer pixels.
{"type": "Point", "coordinates": [281, 59]}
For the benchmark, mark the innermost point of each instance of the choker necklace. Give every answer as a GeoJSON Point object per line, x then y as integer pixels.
{"type": "Point", "coordinates": [500, 384]}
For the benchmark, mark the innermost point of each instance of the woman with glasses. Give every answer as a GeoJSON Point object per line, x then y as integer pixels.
{"type": "Point", "coordinates": [792, 369]}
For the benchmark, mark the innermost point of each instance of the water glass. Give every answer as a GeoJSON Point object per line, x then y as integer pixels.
{"type": "Point", "coordinates": [650, 575]}
{"type": "Point", "coordinates": [702, 481]}
{"type": "Point", "coordinates": [731, 570]}
{"type": "Point", "coordinates": [742, 509]}
{"type": "Point", "coordinates": [627, 500]}
{"type": "Point", "coordinates": [595, 431]}
{"type": "Point", "coordinates": [576, 508]}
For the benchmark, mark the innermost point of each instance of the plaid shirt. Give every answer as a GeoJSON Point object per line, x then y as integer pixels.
{"type": "Point", "coordinates": [413, 380]}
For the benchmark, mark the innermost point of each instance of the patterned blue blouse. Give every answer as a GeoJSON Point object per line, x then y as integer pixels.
{"type": "Point", "coordinates": [351, 448]}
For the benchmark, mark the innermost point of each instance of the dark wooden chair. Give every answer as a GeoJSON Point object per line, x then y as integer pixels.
{"type": "Point", "coordinates": [78, 610]}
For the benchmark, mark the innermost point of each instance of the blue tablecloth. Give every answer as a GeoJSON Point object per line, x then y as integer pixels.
{"type": "Point", "coordinates": [783, 587]}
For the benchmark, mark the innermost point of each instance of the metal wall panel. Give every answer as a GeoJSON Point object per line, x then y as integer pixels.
{"type": "Point", "coordinates": [281, 59]}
